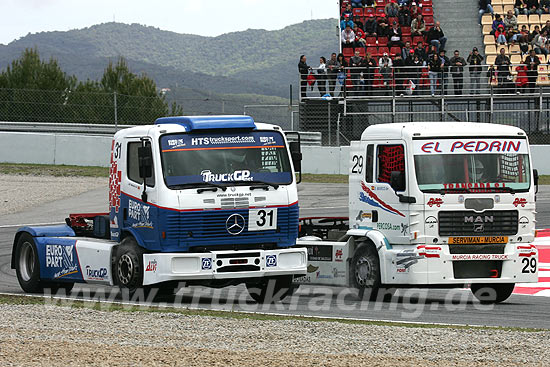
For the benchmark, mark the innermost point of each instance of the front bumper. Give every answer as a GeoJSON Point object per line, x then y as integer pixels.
{"type": "Point", "coordinates": [162, 267]}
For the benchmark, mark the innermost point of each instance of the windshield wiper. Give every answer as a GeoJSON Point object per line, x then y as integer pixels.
{"type": "Point", "coordinates": [209, 186]}
{"type": "Point", "coordinates": [257, 184]}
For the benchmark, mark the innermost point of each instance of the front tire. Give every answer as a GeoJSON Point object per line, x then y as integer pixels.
{"type": "Point", "coordinates": [365, 273]}
{"type": "Point", "coordinates": [27, 265]}
{"type": "Point", "coordinates": [492, 293]}
{"type": "Point", "coordinates": [128, 267]}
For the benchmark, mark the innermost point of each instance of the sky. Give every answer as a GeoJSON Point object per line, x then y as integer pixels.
{"type": "Point", "coordinates": [202, 17]}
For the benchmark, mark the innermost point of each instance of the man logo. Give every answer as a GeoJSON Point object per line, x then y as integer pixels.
{"type": "Point", "coordinates": [235, 224]}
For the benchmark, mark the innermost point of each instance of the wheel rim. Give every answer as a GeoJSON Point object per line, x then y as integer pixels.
{"type": "Point", "coordinates": [363, 272]}
{"type": "Point", "coordinates": [125, 269]}
{"type": "Point", "coordinates": [27, 260]}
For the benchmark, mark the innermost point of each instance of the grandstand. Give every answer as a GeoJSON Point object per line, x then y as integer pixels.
{"type": "Point", "coordinates": [355, 93]}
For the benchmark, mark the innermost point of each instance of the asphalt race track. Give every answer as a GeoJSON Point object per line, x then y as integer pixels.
{"type": "Point", "coordinates": [409, 305]}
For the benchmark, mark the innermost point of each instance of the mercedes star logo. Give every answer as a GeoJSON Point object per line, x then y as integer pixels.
{"type": "Point", "coordinates": [235, 224]}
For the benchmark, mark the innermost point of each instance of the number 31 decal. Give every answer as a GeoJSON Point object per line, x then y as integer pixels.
{"type": "Point", "coordinates": [262, 219]}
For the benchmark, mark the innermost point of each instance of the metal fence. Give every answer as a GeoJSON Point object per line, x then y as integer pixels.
{"type": "Point", "coordinates": [507, 95]}
{"type": "Point", "coordinates": [75, 107]}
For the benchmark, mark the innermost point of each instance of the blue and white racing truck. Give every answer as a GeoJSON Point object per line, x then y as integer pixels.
{"type": "Point", "coordinates": [203, 200]}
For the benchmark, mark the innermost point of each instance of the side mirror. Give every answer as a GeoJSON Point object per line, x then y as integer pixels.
{"type": "Point", "coordinates": [536, 180]}
{"type": "Point", "coordinates": [145, 159]}
{"type": "Point", "coordinates": [397, 180]}
{"type": "Point", "coordinates": [296, 155]}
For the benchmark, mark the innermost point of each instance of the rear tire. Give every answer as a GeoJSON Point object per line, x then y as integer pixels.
{"type": "Point", "coordinates": [128, 267]}
{"type": "Point", "coordinates": [271, 289]}
{"type": "Point", "coordinates": [27, 266]}
{"type": "Point", "coordinates": [492, 293]}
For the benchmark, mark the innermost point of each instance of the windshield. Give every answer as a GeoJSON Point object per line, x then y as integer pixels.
{"type": "Point", "coordinates": [484, 165]}
{"type": "Point", "coordinates": [236, 158]}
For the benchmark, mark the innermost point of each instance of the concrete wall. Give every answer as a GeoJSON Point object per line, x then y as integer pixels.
{"type": "Point", "coordinates": [90, 150]}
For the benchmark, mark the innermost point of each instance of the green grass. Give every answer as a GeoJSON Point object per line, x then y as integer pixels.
{"type": "Point", "coordinates": [114, 306]}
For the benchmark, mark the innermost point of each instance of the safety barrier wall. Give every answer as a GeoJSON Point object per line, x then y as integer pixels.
{"type": "Point", "coordinates": [90, 150]}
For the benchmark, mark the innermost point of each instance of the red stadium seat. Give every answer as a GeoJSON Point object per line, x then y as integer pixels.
{"type": "Point", "coordinates": [417, 39]}
{"type": "Point", "coordinates": [393, 19]}
{"type": "Point", "coordinates": [427, 11]}
{"type": "Point", "coordinates": [373, 51]}
{"type": "Point", "coordinates": [395, 50]}
{"type": "Point", "coordinates": [368, 11]}
{"type": "Point", "coordinates": [381, 3]}
{"type": "Point", "coordinates": [406, 39]}
{"type": "Point", "coordinates": [371, 41]}
{"type": "Point", "coordinates": [348, 52]}
{"type": "Point", "coordinates": [406, 31]}
{"type": "Point", "coordinates": [383, 50]}
{"type": "Point", "coordinates": [361, 50]}
{"type": "Point", "coordinates": [357, 12]}
{"type": "Point", "coordinates": [382, 41]}
{"type": "Point", "coordinates": [380, 12]}
{"type": "Point", "coordinates": [426, 3]}
{"type": "Point", "coordinates": [429, 20]}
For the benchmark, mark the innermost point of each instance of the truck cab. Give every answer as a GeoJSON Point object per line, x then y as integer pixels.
{"type": "Point", "coordinates": [441, 205]}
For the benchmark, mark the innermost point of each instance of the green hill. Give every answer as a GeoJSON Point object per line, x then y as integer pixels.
{"type": "Point", "coordinates": [252, 62]}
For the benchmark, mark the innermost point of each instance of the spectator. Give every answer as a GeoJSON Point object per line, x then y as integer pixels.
{"type": "Point", "coordinates": [521, 78]}
{"type": "Point", "coordinates": [520, 6]}
{"type": "Point", "coordinates": [355, 63]}
{"type": "Point", "coordinates": [457, 71]}
{"type": "Point", "coordinates": [510, 20]}
{"type": "Point", "coordinates": [383, 30]}
{"type": "Point", "coordinates": [348, 13]}
{"type": "Point", "coordinates": [357, 21]}
{"type": "Point", "coordinates": [512, 34]}
{"type": "Point", "coordinates": [399, 73]}
{"type": "Point", "coordinates": [385, 65]}
{"type": "Point", "coordinates": [369, 3]}
{"type": "Point", "coordinates": [532, 63]}
{"type": "Point", "coordinates": [371, 26]}
{"type": "Point", "coordinates": [540, 43]}
{"type": "Point", "coordinates": [333, 65]}
{"type": "Point", "coordinates": [359, 37]}
{"type": "Point", "coordinates": [322, 76]}
{"type": "Point", "coordinates": [341, 70]}
{"type": "Point", "coordinates": [369, 64]}
{"type": "Point", "coordinates": [500, 35]}
{"type": "Point", "coordinates": [415, 68]}
{"type": "Point", "coordinates": [475, 60]}
{"type": "Point", "coordinates": [395, 35]}
{"type": "Point", "coordinates": [391, 9]}
{"type": "Point", "coordinates": [303, 69]}
{"type": "Point", "coordinates": [348, 37]}
{"type": "Point", "coordinates": [498, 21]}
{"type": "Point", "coordinates": [484, 7]}
{"type": "Point", "coordinates": [436, 37]}
{"type": "Point", "coordinates": [546, 26]}
{"type": "Point", "coordinates": [534, 34]}
{"type": "Point", "coordinates": [533, 7]}
{"type": "Point", "coordinates": [418, 27]}
{"type": "Point", "coordinates": [345, 22]}
{"type": "Point", "coordinates": [406, 51]}
{"type": "Point", "coordinates": [432, 50]}
{"type": "Point", "coordinates": [445, 65]}
{"type": "Point", "coordinates": [545, 6]}
{"type": "Point", "coordinates": [523, 38]}
{"type": "Point", "coordinates": [503, 68]}
{"type": "Point", "coordinates": [356, 3]}
{"type": "Point", "coordinates": [414, 10]}
{"type": "Point", "coordinates": [404, 16]}
{"type": "Point", "coordinates": [421, 51]}
{"type": "Point", "coordinates": [434, 71]}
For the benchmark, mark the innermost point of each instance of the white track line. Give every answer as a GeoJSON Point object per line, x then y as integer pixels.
{"type": "Point", "coordinates": [30, 224]}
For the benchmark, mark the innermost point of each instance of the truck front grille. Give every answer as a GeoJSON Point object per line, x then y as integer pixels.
{"type": "Point", "coordinates": [470, 223]}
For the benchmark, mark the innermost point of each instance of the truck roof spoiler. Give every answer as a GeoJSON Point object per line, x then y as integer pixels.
{"type": "Point", "coordinates": [210, 122]}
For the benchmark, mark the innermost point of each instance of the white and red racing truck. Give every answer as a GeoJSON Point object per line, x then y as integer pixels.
{"type": "Point", "coordinates": [219, 207]}
{"type": "Point", "coordinates": [431, 205]}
